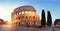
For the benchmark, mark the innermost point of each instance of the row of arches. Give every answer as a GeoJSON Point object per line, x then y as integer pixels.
{"type": "Point", "coordinates": [27, 23]}
{"type": "Point", "coordinates": [26, 12]}
{"type": "Point", "coordinates": [26, 17]}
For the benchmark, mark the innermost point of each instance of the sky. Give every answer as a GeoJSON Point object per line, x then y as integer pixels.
{"type": "Point", "coordinates": [8, 6]}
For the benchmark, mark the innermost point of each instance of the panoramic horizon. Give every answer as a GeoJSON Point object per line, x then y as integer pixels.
{"type": "Point", "coordinates": [8, 6]}
{"type": "Point", "coordinates": [29, 15]}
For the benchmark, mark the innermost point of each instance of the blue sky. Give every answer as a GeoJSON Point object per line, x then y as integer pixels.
{"type": "Point", "coordinates": [7, 6]}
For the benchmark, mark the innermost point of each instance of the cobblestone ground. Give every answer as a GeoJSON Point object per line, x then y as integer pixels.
{"type": "Point", "coordinates": [20, 28]}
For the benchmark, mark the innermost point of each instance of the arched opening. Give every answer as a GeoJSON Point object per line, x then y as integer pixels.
{"type": "Point", "coordinates": [22, 17]}
{"type": "Point", "coordinates": [29, 17]}
{"type": "Point", "coordinates": [26, 17]}
{"type": "Point", "coordinates": [33, 17]}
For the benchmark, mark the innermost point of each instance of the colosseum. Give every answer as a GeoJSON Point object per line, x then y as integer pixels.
{"type": "Point", "coordinates": [25, 15]}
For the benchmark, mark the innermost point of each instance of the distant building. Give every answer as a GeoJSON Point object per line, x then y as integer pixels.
{"type": "Point", "coordinates": [25, 15]}
{"type": "Point", "coordinates": [57, 22]}
{"type": "Point", "coordinates": [1, 21]}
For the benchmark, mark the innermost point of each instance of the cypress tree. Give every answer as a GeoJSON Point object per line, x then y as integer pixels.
{"type": "Point", "coordinates": [43, 18]}
{"type": "Point", "coordinates": [49, 19]}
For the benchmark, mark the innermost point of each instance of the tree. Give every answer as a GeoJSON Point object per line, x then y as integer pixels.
{"type": "Point", "coordinates": [49, 19]}
{"type": "Point", "coordinates": [43, 18]}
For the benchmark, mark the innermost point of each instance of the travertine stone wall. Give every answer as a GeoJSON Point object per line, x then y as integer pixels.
{"type": "Point", "coordinates": [25, 15]}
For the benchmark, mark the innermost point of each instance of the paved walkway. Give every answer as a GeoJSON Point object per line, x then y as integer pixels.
{"type": "Point", "coordinates": [20, 28]}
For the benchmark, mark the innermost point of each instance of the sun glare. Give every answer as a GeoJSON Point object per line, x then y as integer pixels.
{"type": "Point", "coordinates": [9, 22]}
